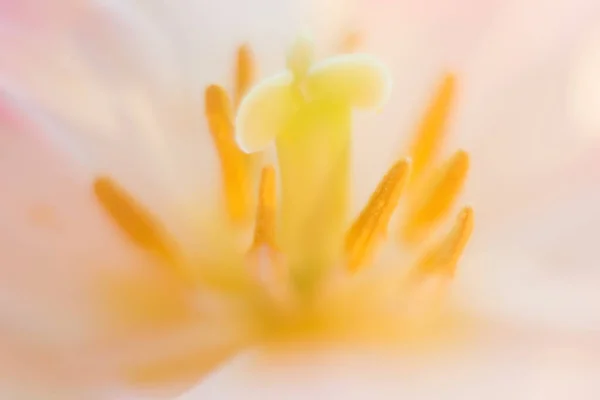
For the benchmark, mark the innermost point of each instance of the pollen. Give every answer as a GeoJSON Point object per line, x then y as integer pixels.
{"type": "Point", "coordinates": [371, 225]}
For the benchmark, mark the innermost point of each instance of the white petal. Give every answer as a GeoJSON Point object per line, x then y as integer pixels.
{"type": "Point", "coordinates": [545, 272]}
{"type": "Point", "coordinates": [54, 243]}
{"type": "Point", "coordinates": [493, 368]}
{"type": "Point", "coordinates": [583, 98]}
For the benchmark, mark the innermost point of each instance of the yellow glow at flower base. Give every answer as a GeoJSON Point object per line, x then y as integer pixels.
{"type": "Point", "coordinates": [309, 275]}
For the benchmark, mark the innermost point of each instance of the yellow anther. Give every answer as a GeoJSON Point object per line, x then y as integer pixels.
{"type": "Point", "coordinates": [371, 225]}
{"type": "Point", "coordinates": [443, 258]}
{"type": "Point", "coordinates": [264, 231]}
{"type": "Point", "coordinates": [431, 131]}
{"type": "Point", "coordinates": [436, 198]}
{"type": "Point", "coordinates": [234, 163]}
{"type": "Point", "coordinates": [133, 219]}
{"type": "Point", "coordinates": [245, 73]}
{"type": "Point", "coordinates": [218, 106]}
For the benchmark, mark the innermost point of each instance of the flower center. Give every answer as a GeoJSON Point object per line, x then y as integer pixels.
{"type": "Point", "coordinates": [302, 233]}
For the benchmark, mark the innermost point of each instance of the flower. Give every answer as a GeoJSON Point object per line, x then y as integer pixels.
{"type": "Point", "coordinates": [155, 284]}
{"type": "Point", "coordinates": [298, 283]}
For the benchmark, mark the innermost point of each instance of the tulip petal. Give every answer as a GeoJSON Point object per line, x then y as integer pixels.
{"type": "Point", "coordinates": [515, 365]}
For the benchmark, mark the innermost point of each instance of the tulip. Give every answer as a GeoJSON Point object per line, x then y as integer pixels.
{"type": "Point", "coordinates": [197, 194]}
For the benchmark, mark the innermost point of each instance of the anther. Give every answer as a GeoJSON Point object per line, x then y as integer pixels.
{"type": "Point", "coordinates": [435, 200]}
{"type": "Point", "coordinates": [371, 225]}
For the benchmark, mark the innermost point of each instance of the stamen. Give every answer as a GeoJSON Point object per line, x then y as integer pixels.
{"type": "Point", "coordinates": [430, 134]}
{"type": "Point", "coordinates": [245, 73]}
{"type": "Point", "coordinates": [444, 257]}
{"type": "Point", "coordinates": [234, 163]}
{"type": "Point", "coordinates": [264, 232]}
{"type": "Point", "coordinates": [264, 257]}
{"type": "Point", "coordinates": [436, 199]}
{"type": "Point", "coordinates": [133, 219]}
{"type": "Point", "coordinates": [371, 225]}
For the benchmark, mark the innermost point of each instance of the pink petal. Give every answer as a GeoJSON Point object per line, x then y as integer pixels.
{"type": "Point", "coordinates": [516, 366]}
